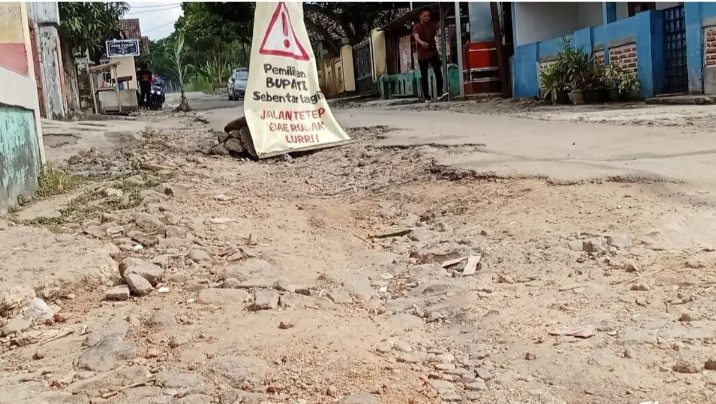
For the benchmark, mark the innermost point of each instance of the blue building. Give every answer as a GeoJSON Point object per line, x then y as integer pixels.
{"type": "Point", "coordinates": [670, 46]}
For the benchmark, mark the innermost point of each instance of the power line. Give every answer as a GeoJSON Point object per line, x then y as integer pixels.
{"type": "Point", "coordinates": [156, 28]}
{"type": "Point", "coordinates": [158, 5]}
{"type": "Point", "coordinates": [153, 11]}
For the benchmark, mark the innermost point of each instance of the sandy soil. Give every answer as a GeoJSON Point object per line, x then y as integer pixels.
{"type": "Point", "coordinates": [278, 291]}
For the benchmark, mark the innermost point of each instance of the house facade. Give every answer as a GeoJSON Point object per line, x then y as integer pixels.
{"type": "Point", "coordinates": [21, 147]}
{"type": "Point", "coordinates": [44, 18]}
{"type": "Point", "coordinates": [670, 46]}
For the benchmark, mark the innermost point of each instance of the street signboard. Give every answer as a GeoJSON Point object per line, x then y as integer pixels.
{"type": "Point", "coordinates": [285, 108]}
{"type": "Point", "coordinates": [123, 47]}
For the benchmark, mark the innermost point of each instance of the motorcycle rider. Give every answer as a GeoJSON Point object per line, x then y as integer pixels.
{"type": "Point", "coordinates": [144, 75]}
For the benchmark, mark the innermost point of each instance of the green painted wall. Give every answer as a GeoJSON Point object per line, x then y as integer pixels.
{"type": "Point", "coordinates": [19, 155]}
{"type": "Point", "coordinates": [408, 84]}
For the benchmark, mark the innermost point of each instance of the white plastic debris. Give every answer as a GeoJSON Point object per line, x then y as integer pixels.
{"type": "Point", "coordinates": [383, 289]}
{"type": "Point", "coordinates": [223, 198]}
{"type": "Point", "coordinates": [138, 247]}
{"type": "Point", "coordinates": [38, 310]}
{"type": "Point", "coordinates": [387, 276]}
{"type": "Point", "coordinates": [163, 289]}
{"type": "Point", "coordinates": [221, 220]}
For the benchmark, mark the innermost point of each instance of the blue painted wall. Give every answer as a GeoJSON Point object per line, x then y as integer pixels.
{"type": "Point", "coordinates": [694, 14]}
{"type": "Point", "coordinates": [646, 28]}
{"type": "Point", "coordinates": [19, 155]}
{"type": "Point", "coordinates": [694, 45]}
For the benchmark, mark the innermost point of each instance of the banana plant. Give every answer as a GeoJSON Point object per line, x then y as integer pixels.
{"type": "Point", "coordinates": [179, 69]}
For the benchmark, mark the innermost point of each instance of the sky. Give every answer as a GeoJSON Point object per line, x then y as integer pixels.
{"type": "Point", "coordinates": [156, 18]}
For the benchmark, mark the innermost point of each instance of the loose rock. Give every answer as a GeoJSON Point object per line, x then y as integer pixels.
{"type": "Point", "coordinates": [358, 287]}
{"type": "Point", "coordinates": [138, 285]}
{"type": "Point", "coordinates": [265, 300]}
{"type": "Point", "coordinates": [477, 385]}
{"type": "Point", "coordinates": [222, 297]}
{"type": "Point", "coordinates": [120, 293]}
{"type": "Point", "coordinates": [177, 380]}
{"type": "Point", "coordinates": [238, 369]}
{"type": "Point", "coordinates": [199, 255]}
{"type": "Point", "coordinates": [340, 297]}
{"type": "Point", "coordinates": [146, 270]}
{"type": "Point", "coordinates": [16, 325]}
{"type": "Point", "coordinates": [695, 263]}
{"type": "Point", "coordinates": [641, 287]}
{"type": "Point", "coordinates": [162, 319]}
{"type": "Point", "coordinates": [442, 385]}
{"type": "Point", "coordinates": [688, 316]}
{"type": "Point", "coordinates": [102, 356]}
{"type": "Point", "coordinates": [285, 325]}
{"type": "Point", "coordinates": [148, 223]}
{"type": "Point", "coordinates": [413, 357]}
{"type": "Point", "coordinates": [362, 398]}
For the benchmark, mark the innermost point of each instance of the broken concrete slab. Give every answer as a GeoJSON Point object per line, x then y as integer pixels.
{"type": "Point", "coordinates": [35, 258]}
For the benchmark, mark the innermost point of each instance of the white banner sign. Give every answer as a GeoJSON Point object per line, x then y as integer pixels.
{"type": "Point", "coordinates": [284, 106]}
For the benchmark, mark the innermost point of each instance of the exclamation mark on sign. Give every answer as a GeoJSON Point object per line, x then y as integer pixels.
{"type": "Point", "coordinates": [284, 20]}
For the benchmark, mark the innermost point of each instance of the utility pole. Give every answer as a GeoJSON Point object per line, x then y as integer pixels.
{"type": "Point", "coordinates": [443, 44]}
{"type": "Point", "coordinates": [458, 34]}
{"type": "Point", "coordinates": [501, 59]}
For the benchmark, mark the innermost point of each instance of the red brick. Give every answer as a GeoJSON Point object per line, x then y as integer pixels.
{"type": "Point", "coordinates": [632, 54]}
{"type": "Point", "coordinates": [632, 64]}
{"type": "Point", "coordinates": [710, 62]}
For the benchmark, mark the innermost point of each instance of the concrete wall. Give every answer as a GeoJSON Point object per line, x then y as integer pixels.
{"type": "Point", "coordinates": [349, 76]}
{"type": "Point", "coordinates": [700, 19]}
{"type": "Point", "coordinates": [45, 17]}
{"type": "Point", "coordinates": [643, 32]}
{"type": "Point", "coordinates": [21, 147]}
{"type": "Point", "coordinates": [19, 155]}
{"type": "Point", "coordinates": [536, 22]}
{"type": "Point", "coordinates": [126, 68]}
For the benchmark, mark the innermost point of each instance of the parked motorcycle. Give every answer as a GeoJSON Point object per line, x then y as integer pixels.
{"type": "Point", "coordinates": [156, 98]}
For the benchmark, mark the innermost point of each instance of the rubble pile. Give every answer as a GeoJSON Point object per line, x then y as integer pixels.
{"type": "Point", "coordinates": [234, 141]}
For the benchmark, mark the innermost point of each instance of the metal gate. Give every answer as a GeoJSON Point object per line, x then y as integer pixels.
{"type": "Point", "coordinates": [362, 65]}
{"type": "Point", "coordinates": [38, 71]}
{"type": "Point", "coordinates": [677, 80]}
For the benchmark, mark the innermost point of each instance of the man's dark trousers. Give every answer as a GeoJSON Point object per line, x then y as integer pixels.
{"type": "Point", "coordinates": [144, 88]}
{"type": "Point", "coordinates": [433, 61]}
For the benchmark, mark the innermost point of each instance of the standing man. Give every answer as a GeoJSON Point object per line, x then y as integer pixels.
{"type": "Point", "coordinates": [424, 33]}
{"type": "Point", "coordinates": [144, 75]}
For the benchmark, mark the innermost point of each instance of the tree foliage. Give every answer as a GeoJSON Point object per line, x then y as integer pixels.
{"type": "Point", "coordinates": [199, 21]}
{"type": "Point", "coordinates": [327, 21]}
{"type": "Point", "coordinates": [85, 25]}
{"type": "Point", "coordinates": [215, 45]}
{"type": "Point", "coordinates": [174, 58]}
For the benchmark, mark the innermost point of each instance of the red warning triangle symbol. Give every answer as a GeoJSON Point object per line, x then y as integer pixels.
{"type": "Point", "coordinates": [280, 38]}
